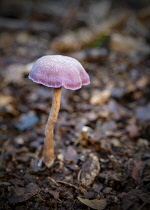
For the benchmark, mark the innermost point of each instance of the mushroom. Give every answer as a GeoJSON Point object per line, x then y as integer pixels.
{"type": "Point", "coordinates": [57, 71]}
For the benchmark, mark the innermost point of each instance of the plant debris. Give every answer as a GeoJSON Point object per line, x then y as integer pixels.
{"type": "Point", "coordinates": [90, 170]}
{"type": "Point", "coordinates": [94, 204]}
{"type": "Point", "coordinates": [102, 136]}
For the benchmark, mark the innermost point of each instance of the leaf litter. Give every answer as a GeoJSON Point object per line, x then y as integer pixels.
{"type": "Point", "coordinates": [102, 135]}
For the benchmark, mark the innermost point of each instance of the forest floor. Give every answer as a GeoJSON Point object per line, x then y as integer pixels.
{"type": "Point", "coordinates": [102, 135]}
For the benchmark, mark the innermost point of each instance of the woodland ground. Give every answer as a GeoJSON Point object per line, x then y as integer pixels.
{"type": "Point", "coordinates": [103, 130]}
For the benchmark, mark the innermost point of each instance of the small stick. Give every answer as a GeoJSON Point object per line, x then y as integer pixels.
{"type": "Point", "coordinates": [69, 184]}
{"type": "Point", "coordinates": [48, 153]}
{"type": "Point", "coordinates": [53, 180]}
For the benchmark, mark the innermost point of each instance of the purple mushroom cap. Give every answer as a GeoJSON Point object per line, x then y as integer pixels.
{"type": "Point", "coordinates": [59, 71]}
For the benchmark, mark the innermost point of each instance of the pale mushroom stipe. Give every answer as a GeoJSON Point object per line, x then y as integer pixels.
{"type": "Point", "coordinates": [57, 71]}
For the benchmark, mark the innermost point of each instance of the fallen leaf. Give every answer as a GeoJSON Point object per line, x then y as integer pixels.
{"type": "Point", "coordinates": [15, 73]}
{"type": "Point", "coordinates": [106, 129]}
{"type": "Point", "coordinates": [133, 131]}
{"type": "Point", "coordinates": [54, 193]}
{"type": "Point", "coordinates": [143, 82]}
{"type": "Point", "coordinates": [107, 190]}
{"type": "Point", "coordinates": [90, 169]}
{"type": "Point", "coordinates": [133, 197]}
{"type": "Point", "coordinates": [98, 11]}
{"type": "Point", "coordinates": [136, 169]}
{"type": "Point", "coordinates": [94, 204]}
{"type": "Point", "coordinates": [115, 110]}
{"type": "Point", "coordinates": [118, 92]}
{"type": "Point", "coordinates": [98, 187]}
{"type": "Point", "coordinates": [5, 100]}
{"type": "Point", "coordinates": [16, 182]}
{"type": "Point", "coordinates": [143, 112]}
{"type": "Point", "coordinates": [87, 135]}
{"type": "Point", "coordinates": [100, 97]}
{"type": "Point", "coordinates": [26, 121]}
{"type": "Point", "coordinates": [4, 183]}
{"type": "Point", "coordinates": [71, 155]}
{"type": "Point", "coordinates": [66, 42]}
{"type": "Point", "coordinates": [24, 194]}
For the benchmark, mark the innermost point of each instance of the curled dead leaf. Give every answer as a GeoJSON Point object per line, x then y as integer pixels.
{"type": "Point", "coordinates": [94, 204]}
{"type": "Point", "coordinates": [90, 170]}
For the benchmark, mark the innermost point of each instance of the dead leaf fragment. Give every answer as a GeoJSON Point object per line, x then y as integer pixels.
{"type": "Point", "coordinates": [143, 112]}
{"type": "Point", "coordinates": [94, 204]}
{"type": "Point", "coordinates": [54, 193]}
{"type": "Point", "coordinates": [90, 169]}
{"type": "Point", "coordinates": [71, 155]}
{"type": "Point", "coordinates": [130, 199]}
{"type": "Point", "coordinates": [26, 121]}
{"type": "Point", "coordinates": [87, 135]}
{"type": "Point", "coordinates": [136, 169]}
{"type": "Point", "coordinates": [128, 44]}
{"type": "Point", "coordinates": [15, 73]}
{"type": "Point", "coordinates": [133, 131]}
{"type": "Point", "coordinates": [24, 194]}
{"type": "Point", "coordinates": [4, 183]}
{"type": "Point", "coordinates": [66, 42]}
{"type": "Point", "coordinates": [100, 97]}
{"type": "Point", "coordinates": [5, 100]}
{"type": "Point", "coordinates": [98, 11]}
{"type": "Point", "coordinates": [143, 82]}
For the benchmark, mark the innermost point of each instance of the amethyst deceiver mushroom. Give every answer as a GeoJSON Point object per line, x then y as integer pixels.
{"type": "Point", "coordinates": [57, 71]}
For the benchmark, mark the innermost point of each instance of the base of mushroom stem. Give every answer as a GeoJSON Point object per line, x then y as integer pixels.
{"type": "Point", "coordinates": [48, 163]}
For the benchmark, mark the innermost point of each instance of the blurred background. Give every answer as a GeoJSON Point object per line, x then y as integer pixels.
{"type": "Point", "coordinates": [103, 127]}
{"type": "Point", "coordinates": [35, 25]}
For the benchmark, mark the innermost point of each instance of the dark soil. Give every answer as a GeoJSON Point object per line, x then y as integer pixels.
{"type": "Point", "coordinates": [102, 135]}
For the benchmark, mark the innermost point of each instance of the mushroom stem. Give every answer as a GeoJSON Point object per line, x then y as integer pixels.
{"type": "Point", "coordinates": [48, 153]}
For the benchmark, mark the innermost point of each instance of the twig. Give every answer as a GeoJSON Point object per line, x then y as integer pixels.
{"type": "Point", "coordinates": [69, 184]}
{"type": "Point", "coordinates": [53, 180]}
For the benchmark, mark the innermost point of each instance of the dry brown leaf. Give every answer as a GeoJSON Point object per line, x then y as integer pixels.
{"type": "Point", "coordinates": [100, 97]}
{"type": "Point", "coordinates": [94, 204]}
{"type": "Point", "coordinates": [5, 100]}
{"type": "Point", "coordinates": [90, 169]}
{"type": "Point", "coordinates": [66, 42]}
{"type": "Point", "coordinates": [87, 135]}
